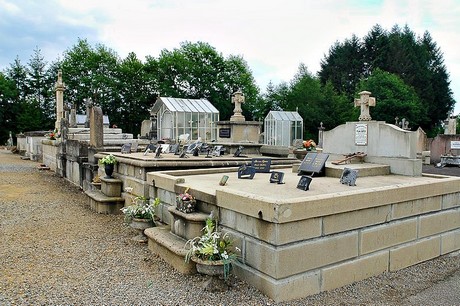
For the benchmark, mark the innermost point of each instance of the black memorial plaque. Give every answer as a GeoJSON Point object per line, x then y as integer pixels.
{"type": "Point", "coordinates": [277, 177]}
{"type": "Point", "coordinates": [158, 152]}
{"type": "Point", "coordinates": [313, 163]}
{"type": "Point", "coordinates": [224, 132]}
{"type": "Point", "coordinates": [246, 172]}
{"type": "Point", "coordinates": [262, 165]}
{"type": "Point", "coordinates": [174, 148]}
{"type": "Point", "coordinates": [304, 182]}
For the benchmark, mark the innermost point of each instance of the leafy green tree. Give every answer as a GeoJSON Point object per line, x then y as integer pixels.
{"type": "Point", "coordinates": [197, 70]}
{"type": "Point", "coordinates": [137, 93]}
{"type": "Point", "coordinates": [8, 107]}
{"type": "Point", "coordinates": [417, 61]}
{"type": "Point", "coordinates": [90, 73]}
{"type": "Point", "coordinates": [394, 98]}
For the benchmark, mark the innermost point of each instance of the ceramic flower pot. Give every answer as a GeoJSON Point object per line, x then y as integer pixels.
{"type": "Point", "coordinates": [108, 170]}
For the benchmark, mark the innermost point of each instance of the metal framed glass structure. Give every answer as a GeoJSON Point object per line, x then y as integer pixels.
{"type": "Point", "coordinates": [281, 128]}
{"type": "Point", "coordinates": [196, 117]}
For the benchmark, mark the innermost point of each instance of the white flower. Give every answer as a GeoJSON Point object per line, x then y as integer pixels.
{"type": "Point", "coordinates": [129, 189]}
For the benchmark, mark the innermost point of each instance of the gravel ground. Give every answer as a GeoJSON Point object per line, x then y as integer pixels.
{"type": "Point", "coordinates": [55, 251]}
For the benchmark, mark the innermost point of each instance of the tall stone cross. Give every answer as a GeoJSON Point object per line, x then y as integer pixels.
{"type": "Point", "coordinates": [59, 88]}
{"type": "Point", "coordinates": [237, 99]}
{"type": "Point", "coordinates": [364, 102]}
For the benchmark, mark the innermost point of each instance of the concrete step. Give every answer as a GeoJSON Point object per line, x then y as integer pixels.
{"type": "Point", "coordinates": [170, 248]}
{"type": "Point", "coordinates": [103, 204]}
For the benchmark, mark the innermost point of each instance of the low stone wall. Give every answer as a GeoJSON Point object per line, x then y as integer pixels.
{"type": "Point", "coordinates": [301, 245]}
{"type": "Point", "coordinates": [50, 151]}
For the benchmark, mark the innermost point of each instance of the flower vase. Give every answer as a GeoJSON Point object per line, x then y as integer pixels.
{"type": "Point", "coordinates": [217, 271]}
{"type": "Point", "coordinates": [108, 170]}
{"type": "Point", "coordinates": [185, 206]}
{"type": "Point", "coordinates": [140, 225]}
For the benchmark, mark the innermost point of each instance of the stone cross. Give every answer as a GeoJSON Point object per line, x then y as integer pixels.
{"type": "Point", "coordinates": [59, 88]}
{"type": "Point", "coordinates": [237, 99]}
{"type": "Point", "coordinates": [364, 102]}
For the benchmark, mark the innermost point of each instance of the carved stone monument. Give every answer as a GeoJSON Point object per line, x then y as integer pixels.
{"type": "Point", "coordinates": [59, 88]}
{"type": "Point", "coordinates": [237, 99]}
{"type": "Point", "coordinates": [364, 102]}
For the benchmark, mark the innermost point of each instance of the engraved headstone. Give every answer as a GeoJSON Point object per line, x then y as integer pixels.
{"type": "Point", "coordinates": [262, 165]}
{"type": "Point", "coordinates": [349, 177]}
{"type": "Point", "coordinates": [238, 152]}
{"type": "Point", "coordinates": [218, 151]}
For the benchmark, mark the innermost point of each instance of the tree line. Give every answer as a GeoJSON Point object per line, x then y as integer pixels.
{"type": "Point", "coordinates": [404, 72]}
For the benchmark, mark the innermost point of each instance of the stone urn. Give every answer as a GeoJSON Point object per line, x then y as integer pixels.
{"type": "Point", "coordinates": [140, 225]}
{"type": "Point", "coordinates": [216, 270]}
{"type": "Point", "coordinates": [108, 170]}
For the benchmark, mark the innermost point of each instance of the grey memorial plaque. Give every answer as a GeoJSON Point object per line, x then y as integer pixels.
{"type": "Point", "coordinates": [313, 163]}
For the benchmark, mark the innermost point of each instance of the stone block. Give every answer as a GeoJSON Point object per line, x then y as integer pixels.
{"type": "Point", "coordinates": [414, 253]}
{"type": "Point", "coordinates": [187, 225]}
{"type": "Point", "coordinates": [140, 188]}
{"type": "Point", "coordinates": [352, 271]}
{"type": "Point", "coordinates": [416, 207]}
{"type": "Point", "coordinates": [388, 235]}
{"type": "Point", "coordinates": [294, 287]}
{"type": "Point", "coordinates": [273, 233]}
{"type": "Point", "coordinates": [451, 200]}
{"type": "Point", "coordinates": [278, 151]}
{"type": "Point", "coordinates": [298, 258]}
{"type": "Point", "coordinates": [450, 242]}
{"type": "Point", "coordinates": [355, 219]}
{"type": "Point", "coordinates": [439, 222]}
{"type": "Point", "coordinates": [111, 187]}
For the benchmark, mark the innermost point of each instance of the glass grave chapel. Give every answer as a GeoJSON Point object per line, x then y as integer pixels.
{"type": "Point", "coordinates": [281, 128]}
{"type": "Point", "coordinates": [195, 117]}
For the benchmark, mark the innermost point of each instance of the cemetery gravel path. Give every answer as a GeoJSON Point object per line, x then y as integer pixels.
{"type": "Point", "coordinates": [55, 251]}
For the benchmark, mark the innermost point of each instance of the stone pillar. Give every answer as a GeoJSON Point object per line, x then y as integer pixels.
{"type": "Point", "coordinates": [320, 135]}
{"type": "Point", "coordinates": [96, 134]}
{"type": "Point", "coordinates": [73, 118]}
{"type": "Point", "coordinates": [59, 88]}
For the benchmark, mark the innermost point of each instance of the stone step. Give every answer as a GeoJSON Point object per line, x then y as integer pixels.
{"type": "Point", "coordinates": [170, 248]}
{"type": "Point", "coordinates": [187, 225]}
{"type": "Point", "coordinates": [103, 204]}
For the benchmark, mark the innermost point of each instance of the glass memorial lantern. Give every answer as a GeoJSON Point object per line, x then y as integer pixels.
{"type": "Point", "coordinates": [281, 128]}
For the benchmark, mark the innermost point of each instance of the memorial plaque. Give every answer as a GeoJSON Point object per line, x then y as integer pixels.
{"type": "Point", "coordinates": [174, 149]}
{"type": "Point", "coordinates": [361, 134]}
{"type": "Point", "coordinates": [246, 172]}
{"type": "Point", "coordinates": [304, 182]}
{"type": "Point", "coordinates": [218, 151]}
{"type": "Point", "coordinates": [126, 148]}
{"type": "Point", "coordinates": [455, 144]}
{"type": "Point", "coordinates": [277, 177]}
{"type": "Point", "coordinates": [349, 177]}
{"type": "Point", "coordinates": [224, 132]}
{"type": "Point", "coordinates": [262, 165]}
{"type": "Point", "coordinates": [165, 148]}
{"type": "Point", "coordinates": [223, 180]}
{"type": "Point", "coordinates": [238, 152]}
{"type": "Point", "coordinates": [313, 163]}
{"type": "Point", "coordinates": [158, 151]}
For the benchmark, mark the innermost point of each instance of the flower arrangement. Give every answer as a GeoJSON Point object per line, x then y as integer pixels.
{"type": "Point", "coordinates": [53, 135]}
{"type": "Point", "coordinates": [108, 160]}
{"type": "Point", "coordinates": [212, 246]}
{"type": "Point", "coordinates": [140, 209]}
{"type": "Point", "coordinates": [309, 144]}
{"type": "Point", "coordinates": [185, 202]}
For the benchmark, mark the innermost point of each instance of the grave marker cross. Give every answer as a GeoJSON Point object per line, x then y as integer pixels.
{"type": "Point", "coordinates": [364, 102]}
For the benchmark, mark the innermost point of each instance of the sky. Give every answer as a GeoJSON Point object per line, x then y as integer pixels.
{"type": "Point", "coordinates": [273, 36]}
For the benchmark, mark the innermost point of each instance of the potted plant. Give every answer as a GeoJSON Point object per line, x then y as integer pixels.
{"type": "Point", "coordinates": [140, 214]}
{"type": "Point", "coordinates": [213, 252]}
{"type": "Point", "coordinates": [109, 162]}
